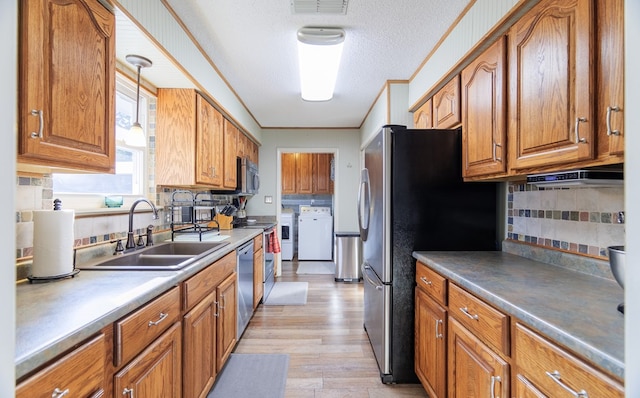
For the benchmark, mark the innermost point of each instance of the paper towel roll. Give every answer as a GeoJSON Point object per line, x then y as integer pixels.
{"type": "Point", "coordinates": [52, 243]}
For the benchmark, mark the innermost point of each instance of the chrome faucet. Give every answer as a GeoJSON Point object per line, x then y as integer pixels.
{"type": "Point", "coordinates": [130, 241]}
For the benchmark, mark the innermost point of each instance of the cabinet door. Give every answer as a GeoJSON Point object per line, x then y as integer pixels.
{"type": "Point", "coordinates": [258, 276]}
{"type": "Point", "coordinates": [156, 372]}
{"type": "Point", "coordinates": [473, 369]}
{"type": "Point", "coordinates": [610, 77]}
{"type": "Point", "coordinates": [227, 316]}
{"type": "Point", "coordinates": [288, 173]}
{"type": "Point", "coordinates": [446, 105]}
{"type": "Point", "coordinates": [304, 173]}
{"type": "Point", "coordinates": [67, 85]}
{"type": "Point", "coordinates": [550, 81]}
{"type": "Point", "coordinates": [230, 152]}
{"type": "Point", "coordinates": [422, 118]}
{"type": "Point", "coordinates": [61, 378]}
{"type": "Point", "coordinates": [430, 344]}
{"type": "Point", "coordinates": [199, 352]}
{"type": "Point", "coordinates": [209, 144]}
{"type": "Point", "coordinates": [484, 113]}
{"type": "Point", "coordinates": [322, 183]}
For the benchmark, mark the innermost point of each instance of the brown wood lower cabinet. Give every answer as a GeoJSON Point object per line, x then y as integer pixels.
{"type": "Point", "coordinates": [227, 297]}
{"type": "Point", "coordinates": [62, 377]}
{"type": "Point", "coordinates": [156, 371]}
{"type": "Point", "coordinates": [200, 348]}
{"type": "Point", "coordinates": [430, 344]}
{"type": "Point", "coordinates": [474, 370]}
{"type": "Point", "coordinates": [545, 369]}
{"type": "Point", "coordinates": [465, 347]}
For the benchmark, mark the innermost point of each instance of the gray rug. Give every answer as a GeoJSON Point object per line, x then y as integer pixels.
{"type": "Point", "coordinates": [252, 375]}
{"type": "Point", "coordinates": [288, 293]}
{"type": "Point", "coordinates": [316, 268]}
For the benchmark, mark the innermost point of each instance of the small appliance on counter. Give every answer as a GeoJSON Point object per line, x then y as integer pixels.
{"type": "Point", "coordinates": [617, 257]}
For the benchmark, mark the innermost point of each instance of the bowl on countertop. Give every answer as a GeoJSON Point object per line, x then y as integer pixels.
{"type": "Point", "coordinates": [617, 263]}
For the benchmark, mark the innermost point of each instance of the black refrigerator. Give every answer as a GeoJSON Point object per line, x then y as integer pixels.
{"type": "Point", "coordinates": [412, 198]}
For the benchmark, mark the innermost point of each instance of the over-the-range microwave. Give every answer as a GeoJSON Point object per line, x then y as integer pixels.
{"type": "Point", "coordinates": [248, 179]}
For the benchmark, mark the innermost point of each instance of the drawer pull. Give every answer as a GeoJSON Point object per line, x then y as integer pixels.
{"type": "Point", "coordinates": [425, 280]}
{"type": "Point", "coordinates": [162, 316]}
{"type": "Point", "coordinates": [609, 110]}
{"type": "Point", "coordinates": [438, 334]}
{"type": "Point", "coordinates": [495, 379]}
{"type": "Point", "coordinates": [58, 393]}
{"type": "Point", "coordinates": [466, 312]}
{"type": "Point", "coordinates": [128, 391]}
{"type": "Point", "coordinates": [556, 377]}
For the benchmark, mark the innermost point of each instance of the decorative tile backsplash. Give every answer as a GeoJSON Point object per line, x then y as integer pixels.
{"type": "Point", "coordinates": [577, 220]}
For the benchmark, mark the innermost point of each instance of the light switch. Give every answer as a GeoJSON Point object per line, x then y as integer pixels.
{"type": "Point", "coordinates": [268, 199]}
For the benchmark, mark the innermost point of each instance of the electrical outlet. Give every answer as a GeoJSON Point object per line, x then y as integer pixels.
{"type": "Point", "coordinates": [268, 199]}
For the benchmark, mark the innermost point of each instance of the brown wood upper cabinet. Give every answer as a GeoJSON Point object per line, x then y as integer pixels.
{"type": "Point", "coordinates": [423, 118]}
{"type": "Point", "coordinates": [306, 173]}
{"type": "Point", "coordinates": [610, 80]}
{"type": "Point", "coordinates": [550, 79]}
{"type": "Point", "coordinates": [446, 105]}
{"type": "Point", "coordinates": [231, 134]}
{"type": "Point", "coordinates": [190, 141]}
{"type": "Point", "coordinates": [66, 106]}
{"type": "Point", "coordinates": [484, 113]}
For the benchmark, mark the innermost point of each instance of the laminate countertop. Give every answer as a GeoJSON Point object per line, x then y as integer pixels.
{"type": "Point", "coordinates": [576, 310]}
{"type": "Point", "coordinates": [53, 317]}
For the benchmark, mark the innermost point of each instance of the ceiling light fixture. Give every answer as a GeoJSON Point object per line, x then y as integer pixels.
{"type": "Point", "coordinates": [319, 52]}
{"type": "Point", "coordinates": [136, 136]}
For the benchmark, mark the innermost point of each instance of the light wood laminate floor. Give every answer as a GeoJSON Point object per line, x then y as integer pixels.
{"type": "Point", "coordinates": [329, 352]}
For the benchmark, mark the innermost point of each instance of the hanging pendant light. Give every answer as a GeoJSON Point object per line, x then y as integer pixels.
{"type": "Point", "coordinates": [136, 136]}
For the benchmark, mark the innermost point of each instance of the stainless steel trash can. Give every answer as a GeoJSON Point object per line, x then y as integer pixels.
{"type": "Point", "coordinates": [348, 256]}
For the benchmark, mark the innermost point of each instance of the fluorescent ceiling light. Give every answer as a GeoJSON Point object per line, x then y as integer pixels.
{"type": "Point", "coordinates": [319, 52]}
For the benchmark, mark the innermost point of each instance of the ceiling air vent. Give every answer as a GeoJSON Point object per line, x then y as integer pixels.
{"type": "Point", "coordinates": [319, 6]}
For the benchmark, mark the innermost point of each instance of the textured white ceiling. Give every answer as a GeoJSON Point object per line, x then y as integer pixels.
{"type": "Point", "coordinates": [253, 44]}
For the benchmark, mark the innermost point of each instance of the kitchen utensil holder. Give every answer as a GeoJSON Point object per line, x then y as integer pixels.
{"type": "Point", "coordinates": [224, 222]}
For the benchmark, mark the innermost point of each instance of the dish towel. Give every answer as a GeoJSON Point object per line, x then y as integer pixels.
{"type": "Point", "coordinates": [274, 244]}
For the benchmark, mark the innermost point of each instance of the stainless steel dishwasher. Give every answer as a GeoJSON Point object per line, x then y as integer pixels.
{"type": "Point", "coordinates": [244, 269]}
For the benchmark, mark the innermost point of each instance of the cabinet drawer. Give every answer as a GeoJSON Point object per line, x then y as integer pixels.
{"type": "Point", "coordinates": [202, 283]}
{"type": "Point", "coordinates": [487, 323]}
{"type": "Point", "coordinates": [432, 283]}
{"type": "Point", "coordinates": [555, 372]}
{"type": "Point", "coordinates": [257, 243]}
{"type": "Point", "coordinates": [80, 372]}
{"type": "Point", "coordinates": [134, 332]}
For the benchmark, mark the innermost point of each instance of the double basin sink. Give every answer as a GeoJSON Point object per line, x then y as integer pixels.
{"type": "Point", "coordinates": [168, 256]}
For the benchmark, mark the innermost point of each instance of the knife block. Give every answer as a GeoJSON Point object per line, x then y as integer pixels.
{"type": "Point", "coordinates": [224, 221]}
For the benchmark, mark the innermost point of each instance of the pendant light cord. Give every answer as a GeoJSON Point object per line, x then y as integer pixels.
{"type": "Point", "coordinates": [138, 96]}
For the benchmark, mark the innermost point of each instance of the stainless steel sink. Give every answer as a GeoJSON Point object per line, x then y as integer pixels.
{"type": "Point", "coordinates": [166, 256]}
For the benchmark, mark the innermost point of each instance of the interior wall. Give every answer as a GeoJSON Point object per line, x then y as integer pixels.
{"type": "Point", "coordinates": [345, 144]}
{"type": "Point", "coordinates": [8, 126]}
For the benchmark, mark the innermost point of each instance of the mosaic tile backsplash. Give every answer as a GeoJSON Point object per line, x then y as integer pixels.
{"type": "Point", "coordinates": [577, 220]}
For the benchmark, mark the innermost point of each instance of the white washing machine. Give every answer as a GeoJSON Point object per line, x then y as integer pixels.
{"type": "Point", "coordinates": [315, 233]}
{"type": "Point", "coordinates": [287, 233]}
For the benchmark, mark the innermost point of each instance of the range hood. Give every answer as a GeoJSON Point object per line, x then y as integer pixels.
{"type": "Point", "coordinates": [578, 178]}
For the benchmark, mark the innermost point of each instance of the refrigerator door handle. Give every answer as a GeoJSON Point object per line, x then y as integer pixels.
{"type": "Point", "coordinates": [365, 273]}
{"type": "Point", "coordinates": [364, 213]}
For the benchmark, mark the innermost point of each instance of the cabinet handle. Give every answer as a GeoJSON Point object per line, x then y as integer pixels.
{"type": "Point", "coordinates": [609, 110]}
{"type": "Point", "coordinates": [58, 393]}
{"type": "Point", "coordinates": [162, 316]}
{"type": "Point", "coordinates": [578, 139]}
{"type": "Point", "coordinates": [40, 114]}
{"type": "Point", "coordinates": [495, 379]}
{"type": "Point", "coordinates": [217, 313]}
{"type": "Point", "coordinates": [128, 391]}
{"type": "Point", "coordinates": [465, 311]}
{"type": "Point", "coordinates": [438, 334]}
{"type": "Point", "coordinates": [425, 280]}
{"type": "Point", "coordinates": [555, 375]}
{"type": "Point", "coordinates": [223, 304]}
{"type": "Point", "coordinates": [495, 158]}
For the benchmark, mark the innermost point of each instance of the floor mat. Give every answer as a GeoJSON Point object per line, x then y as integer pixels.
{"type": "Point", "coordinates": [288, 293]}
{"type": "Point", "coordinates": [252, 375]}
{"type": "Point", "coordinates": [316, 267]}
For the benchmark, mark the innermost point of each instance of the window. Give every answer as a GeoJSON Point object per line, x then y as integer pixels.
{"type": "Point", "coordinates": [130, 177]}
